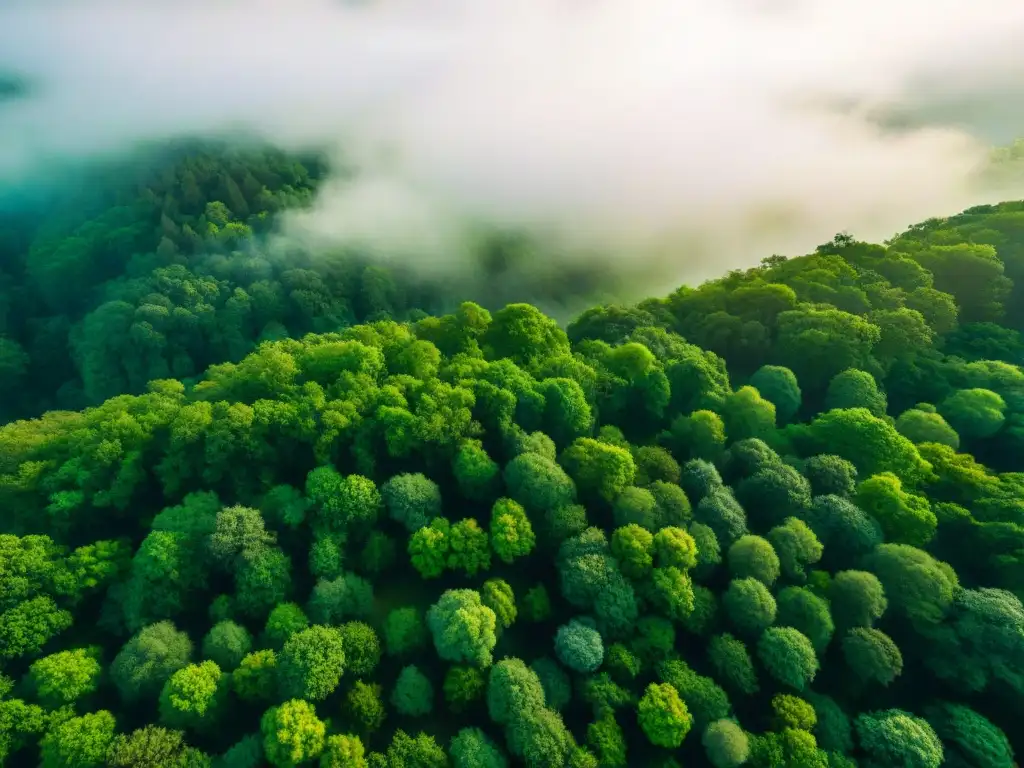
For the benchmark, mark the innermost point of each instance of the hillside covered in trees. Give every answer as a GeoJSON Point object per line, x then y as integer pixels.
{"type": "Point", "coordinates": [284, 516]}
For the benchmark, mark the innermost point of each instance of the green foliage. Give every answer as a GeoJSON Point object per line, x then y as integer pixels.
{"type": "Point", "coordinates": [66, 676]}
{"type": "Point", "coordinates": [578, 646]}
{"type": "Point", "coordinates": [752, 557]}
{"type": "Point", "coordinates": [725, 744]}
{"type": "Point", "coordinates": [362, 647]}
{"type": "Point", "coordinates": [194, 696]}
{"type": "Point", "coordinates": [472, 748]}
{"type": "Point", "coordinates": [872, 655]}
{"type": "Point", "coordinates": [793, 712]}
{"type": "Point", "coordinates": [226, 644]}
{"type": "Point", "coordinates": [413, 694]}
{"type": "Point", "coordinates": [284, 621]}
{"type": "Point", "coordinates": [463, 686]}
{"type": "Point", "coordinates": [412, 500]}
{"type": "Point", "coordinates": [463, 627]}
{"type": "Point", "coordinates": [311, 663]}
{"type": "Point", "coordinates": [149, 659]}
{"type": "Point", "coordinates": [897, 738]}
{"type": "Point", "coordinates": [292, 733]}
{"type": "Point", "coordinates": [80, 742]}
{"type": "Point", "coordinates": [663, 716]}
{"type": "Point", "coordinates": [343, 751]}
{"type": "Point", "coordinates": [855, 389]}
{"type": "Point", "coordinates": [270, 427]}
{"type": "Point", "coordinates": [788, 656]}
{"type": "Point", "coordinates": [749, 605]}
{"type": "Point", "coordinates": [255, 678]}
{"type": "Point", "coordinates": [404, 631]}
{"type": "Point", "coordinates": [732, 664]}
{"type": "Point", "coordinates": [497, 595]}
{"type": "Point", "coordinates": [511, 532]}
{"type": "Point", "coordinates": [365, 706]}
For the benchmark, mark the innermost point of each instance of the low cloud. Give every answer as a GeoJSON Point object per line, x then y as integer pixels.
{"type": "Point", "coordinates": [652, 141]}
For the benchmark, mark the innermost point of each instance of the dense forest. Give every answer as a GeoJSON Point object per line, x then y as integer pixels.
{"type": "Point", "coordinates": [277, 509]}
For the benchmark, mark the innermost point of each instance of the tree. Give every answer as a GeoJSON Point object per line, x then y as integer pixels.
{"type": "Point", "coordinates": [732, 664]}
{"type": "Point", "coordinates": [749, 605]}
{"type": "Point", "coordinates": [343, 502]}
{"type": "Point", "coordinates": [365, 705]}
{"type": "Point", "coordinates": [194, 696]}
{"type": "Point", "coordinates": [606, 739]}
{"type": "Point", "coordinates": [66, 676]}
{"type": "Point", "coordinates": [970, 736]}
{"type": "Point", "coordinates": [343, 751]}
{"type": "Point", "coordinates": [673, 547]}
{"type": "Point", "coordinates": [497, 595]}
{"type": "Point", "coordinates": [226, 644]}
{"type": "Point", "coordinates": [855, 389]}
{"type": "Point", "coordinates": [463, 627]}
{"type": "Point", "coordinates": [632, 546]}
{"type": "Point", "coordinates": [895, 737]}
{"type": "Point", "coordinates": [255, 678]}
{"type": "Point", "coordinates": [538, 483]}
{"type": "Point", "coordinates": [974, 413]}
{"type": "Point", "coordinates": [870, 443]}
{"type": "Point", "coordinates": [578, 645]}
{"type": "Point", "coordinates": [872, 655]}
{"type": "Point", "coordinates": [153, 746]}
{"type": "Point", "coordinates": [472, 748]}
{"type": "Point", "coordinates": [292, 733]}
{"type": "Point", "coordinates": [754, 557]}
{"type": "Point", "coordinates": [917, 586]}
{"type": "Point", "coordinates": [311, 663]}
{"type": "Point", "coordinates": [347, 597]}
{"type": "Point", "coordinates": [830, 475]}
{"type": "Point", "coordinates": [429, 548]}
{"type": "Point", "coordinates": [362, 647]}
{"type": "Point", "coordinates": [725, 744]}
{"type": "Point", "coordinates": [788, 656]}
{"type": "Point", "coordinates": [238, 530]}
{"type": "Point", "coordinates": [779, 386]}
{"type": "Point", "coordinates": [404, 631]}
{"type": "Point", "coordinates": [284, 621]}
{"type": "Point", "coordinates": [746, 414]}
{"type": "Point", "coordinates": [705, 700]}
{"type": "Point", "coordinates": [512, 688]}
{"type": "Point", "coordinates": [920, 426]}
{"type": "Point", "coordinates": [469, 549]}
{"type": "Point", "coordinates": [663, 716]}
{"type": "Point", "coordinates": [412, 500]}
{"type": "Point", "coordinates": [413, 695]}
{"type": "Point", "coordinates": [637, 506]}
{"type": "Point", "coordinates": [857, 598]}
{"type": "Point", "coordinates": [801, 609]}
{"type": "Point", "coordinates": [846, 532]}
{"type": "Point", "coordinates": [796, 546]}
{"type": "Point", "coordinates": [599, 469]}
{"type": "Point", "coordinates": [773, 493]}
{"type": "Point", "coordinates": [28, 626]}
{"type": "Point", "coordinates": [149, 659]}
{"type": "Point", "coordinates": [905, 518]}
{"type": "Point", "coordinates": [671, 590]}
{"type": "Point", "coordinates": [793, 712]}
{"type": "Point", "coordinates": [511, 532]}
{"type": "Point", "coordinates": [79, 742]}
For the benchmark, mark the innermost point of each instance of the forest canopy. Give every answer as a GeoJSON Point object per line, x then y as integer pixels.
{"type": "Point", "coordinates": [261, 511]}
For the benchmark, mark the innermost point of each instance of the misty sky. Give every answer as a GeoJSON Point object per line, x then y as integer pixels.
{"type": "Point", "coordinates": [687, 137]}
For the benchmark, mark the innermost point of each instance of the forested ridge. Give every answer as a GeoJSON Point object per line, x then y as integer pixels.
{"type": "Point", "coordinates": [775, 520]}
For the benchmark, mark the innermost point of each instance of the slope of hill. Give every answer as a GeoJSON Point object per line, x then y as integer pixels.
{"type": "Point", "coordinates": [773, 520]}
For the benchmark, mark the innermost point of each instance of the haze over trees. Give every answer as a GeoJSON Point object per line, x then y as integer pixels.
{"type": "Point", "coordinates": [773, 520]}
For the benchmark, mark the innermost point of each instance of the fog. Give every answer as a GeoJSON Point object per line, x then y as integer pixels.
{"type": "Point", "coordinates": [662, 140]}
